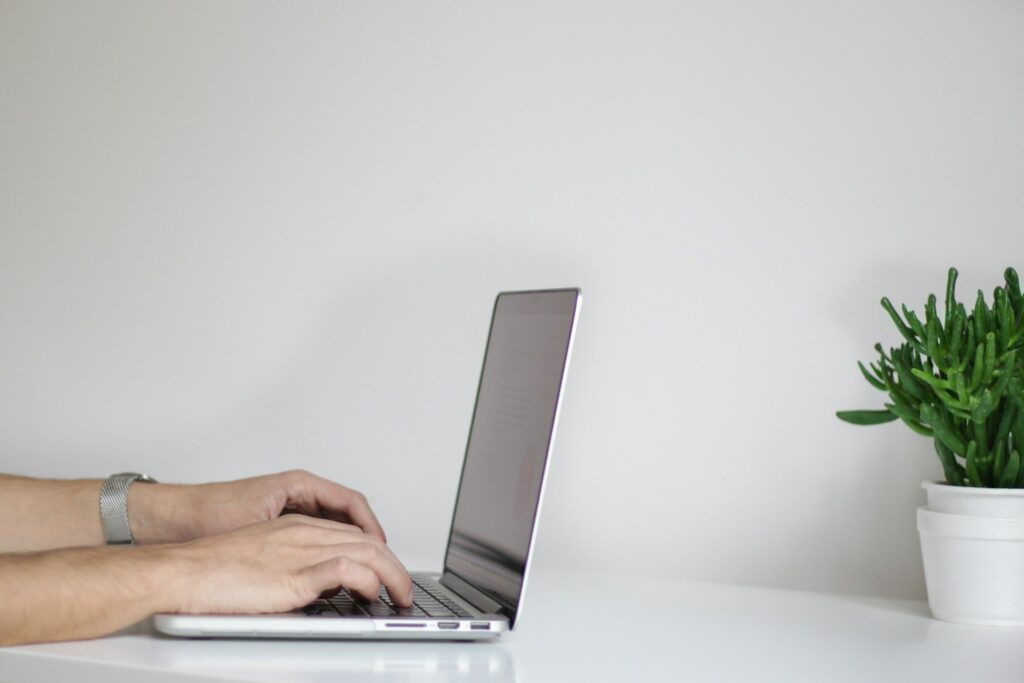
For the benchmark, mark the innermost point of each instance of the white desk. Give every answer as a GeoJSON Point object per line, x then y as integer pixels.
{"type": "Point", "coordinates": [573, 629]}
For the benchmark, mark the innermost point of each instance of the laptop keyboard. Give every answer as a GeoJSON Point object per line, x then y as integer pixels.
{"type": "Point", "coordinates": [428, 601]}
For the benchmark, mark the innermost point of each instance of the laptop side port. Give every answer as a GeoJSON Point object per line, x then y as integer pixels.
{"type": "Point", "coordinates": [480, 626]}
{"type": "Point", "coordinates": [448, 625]}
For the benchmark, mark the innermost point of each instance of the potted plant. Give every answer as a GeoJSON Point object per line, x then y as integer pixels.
{"type": "Point", "coordinates": [958, 378]}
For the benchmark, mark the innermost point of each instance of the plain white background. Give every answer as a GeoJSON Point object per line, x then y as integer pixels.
{"type": "Point", "coordinates": [243, 237]}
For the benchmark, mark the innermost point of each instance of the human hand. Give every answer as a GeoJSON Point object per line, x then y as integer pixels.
{"type": "Point", "coordinates": [161, 513]}
{"type": "Point", "coordinates": [277, 566]}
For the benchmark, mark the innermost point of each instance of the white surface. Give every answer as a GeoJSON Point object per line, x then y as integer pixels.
{"type": "Point", "coordinates": [238, 237]}
{"type": "Point", "coordinates": [586, 627]}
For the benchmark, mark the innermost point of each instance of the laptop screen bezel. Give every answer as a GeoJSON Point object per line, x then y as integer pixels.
{"type": "Point", "coordinates": [509, 610]}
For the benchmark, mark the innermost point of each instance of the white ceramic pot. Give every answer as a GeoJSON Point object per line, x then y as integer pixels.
{"type": "Point", "coordinates": [972, 502]}
{"type": "Point", "coordinates": [972, 543]}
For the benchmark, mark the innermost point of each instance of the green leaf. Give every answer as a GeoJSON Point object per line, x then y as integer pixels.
{"type": "Point", "coordinates": [874, 382]}
{"type": "Point", "coordinates": [1006, 419]}
{"type": "Point", "coordinates": [1018, 429]}
{"type": "Point", "coordinates": [933, 342]}
{"type": "Point", "coordinates": [930, 314]}
{"type": "Point", "coordinates": [980, 436]}
{"type": "Point", "coordinates": [932, 417]}
{"type": "Point", "coordinates": [931, 379]}
{"type": "Point", "coordinates": [958, 407]}
{"type": "Point", "coordinates": [1015, 389]}
{"type": "Point", "coordinates": [980, 316]}
{"type": "Point", "coordinates": [999, 460]}
{"type": "Point", "coordinates": [1011, 473]}
{"type": "Point", "coordinates": [984, 407]}
{"type": "Point", "coordinates": [990, 357]}
{"type": "Point", "coordinates": [1013, 289]}
{"type": "Point", "coordinates": [971, 465]}
{"type": "Point", "coordinates": [956, 334]}
{"type": "Point", "coordinates": [953, 470]}
{"type": "Point", "coordinates": [915, 322]}
{"type": "Point", "coordinates": [1005, 374]}
{"type": "Point", "coordinates": [866, 417]}
{"type": "Point", "coordinates": [909, 418]}
{"type": "Point", "coordinates": [970, 343]}
{"type": "Point", "coordinates": [950, 294]}
{"type": "Point", "coordinates": [907, 333]}
{"type": "Point", "coordinates": [978, 369]}
{"type": "Point", "coordinates": [916, 389]}
{"type": "Point", "coordinates": [1004, 317]}
{"type": "Point", "coordinates": [960, 383]}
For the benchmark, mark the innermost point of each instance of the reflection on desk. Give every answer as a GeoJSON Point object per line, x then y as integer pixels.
{"type": "Point", "coordinates": [320, 660]}
{"type": "Point", "coordinates": [580, 626]}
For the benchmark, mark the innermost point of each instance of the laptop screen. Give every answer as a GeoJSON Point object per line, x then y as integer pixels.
{"type": "Point", "coordinates": [509, 440]}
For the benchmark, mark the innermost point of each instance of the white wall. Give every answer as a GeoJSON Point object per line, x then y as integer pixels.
{"type": "Point", "coordinates": [237, 238]}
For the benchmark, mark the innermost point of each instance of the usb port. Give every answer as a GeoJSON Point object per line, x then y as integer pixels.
{"type": "Point", "coordinates": [480, 626]}
{"type": "Point", "coordinates": [448, 625]}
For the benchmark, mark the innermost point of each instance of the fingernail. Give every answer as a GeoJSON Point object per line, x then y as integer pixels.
{"type": "Point", "coordinates": [409, 599]}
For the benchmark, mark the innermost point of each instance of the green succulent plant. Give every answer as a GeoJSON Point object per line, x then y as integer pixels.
{"type": "Point", "coordinates": [959, 379]}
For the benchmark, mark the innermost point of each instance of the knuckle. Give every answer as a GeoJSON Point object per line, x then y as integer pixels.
{"type": "Point", "coordinates": [370, 549]}
{"type": "Point", "coordinates": [343, 565]}
{"type": "Point", "coordinates": [300, 532]}
{"type": "Point", "coordinates": [295, 474]}
{"type": "Point", "coordinates": [303, 532]}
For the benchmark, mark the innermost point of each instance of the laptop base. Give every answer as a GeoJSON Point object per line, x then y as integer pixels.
{"type": "Point", "coordinates": [324, 622]}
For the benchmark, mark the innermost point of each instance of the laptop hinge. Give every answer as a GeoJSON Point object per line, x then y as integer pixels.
{"type": "Point", "coordinates": [471, 595]}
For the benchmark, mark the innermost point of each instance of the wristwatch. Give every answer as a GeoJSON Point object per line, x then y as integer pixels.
{"type": "Point", "coordinates": [114, 506]}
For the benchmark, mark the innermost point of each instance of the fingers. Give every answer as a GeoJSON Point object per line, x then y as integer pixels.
{"type": "Point", "coordinates": [327, 539]}
{"type": "Point", "coordinates": [342, 571]}
{"type": "Point", "coordinates": [321, 523]}
{"type": "Point", "coordinates": [385, 565]}
{"type": "Point", "coordinates": [311, 494]}
{"type": "Point", "coordinates": [335, 498]}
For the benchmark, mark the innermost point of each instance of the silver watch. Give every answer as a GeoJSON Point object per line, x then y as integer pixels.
{"type": "Point", "coordinates": [114, 506]}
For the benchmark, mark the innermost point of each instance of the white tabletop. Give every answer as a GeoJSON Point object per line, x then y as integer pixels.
{"type": "Point", "coordinates": [588, 627]}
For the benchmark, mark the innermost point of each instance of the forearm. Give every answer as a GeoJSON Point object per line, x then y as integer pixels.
{"type": "Point", "coordinates": [273, 566]}
{"type": "Point", "coordinates": [39, 514]}
{"type": "Point", "coordinates": [83, 592]}
{"type": "Point", "coordinates": [43, 514]}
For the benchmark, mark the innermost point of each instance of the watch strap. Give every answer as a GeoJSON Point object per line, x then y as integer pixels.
{"type": "Point", "coordinates": [114, 506]}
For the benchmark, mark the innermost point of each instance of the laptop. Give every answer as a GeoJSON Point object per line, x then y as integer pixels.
{"type": "Point", "coordinates": [479, 594]}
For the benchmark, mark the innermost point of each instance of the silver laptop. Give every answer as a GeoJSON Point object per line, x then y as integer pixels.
{"type": "Point", "coordinates": [480, 592]}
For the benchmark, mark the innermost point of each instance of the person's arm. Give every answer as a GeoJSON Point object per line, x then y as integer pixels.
{"type": "Point", "coordinates": [40, 514]}
{"type": "Point", "coordinates": [88, 592]}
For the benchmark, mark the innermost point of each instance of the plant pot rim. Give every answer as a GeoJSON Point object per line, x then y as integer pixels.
{"type": "Point", "coordinates": [945, 525]}
{"type": "Point", "coordinates": [984, 491]}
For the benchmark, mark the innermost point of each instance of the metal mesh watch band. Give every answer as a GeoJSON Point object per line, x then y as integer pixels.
{"type": "Point", "coordinates": [114, 506]}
